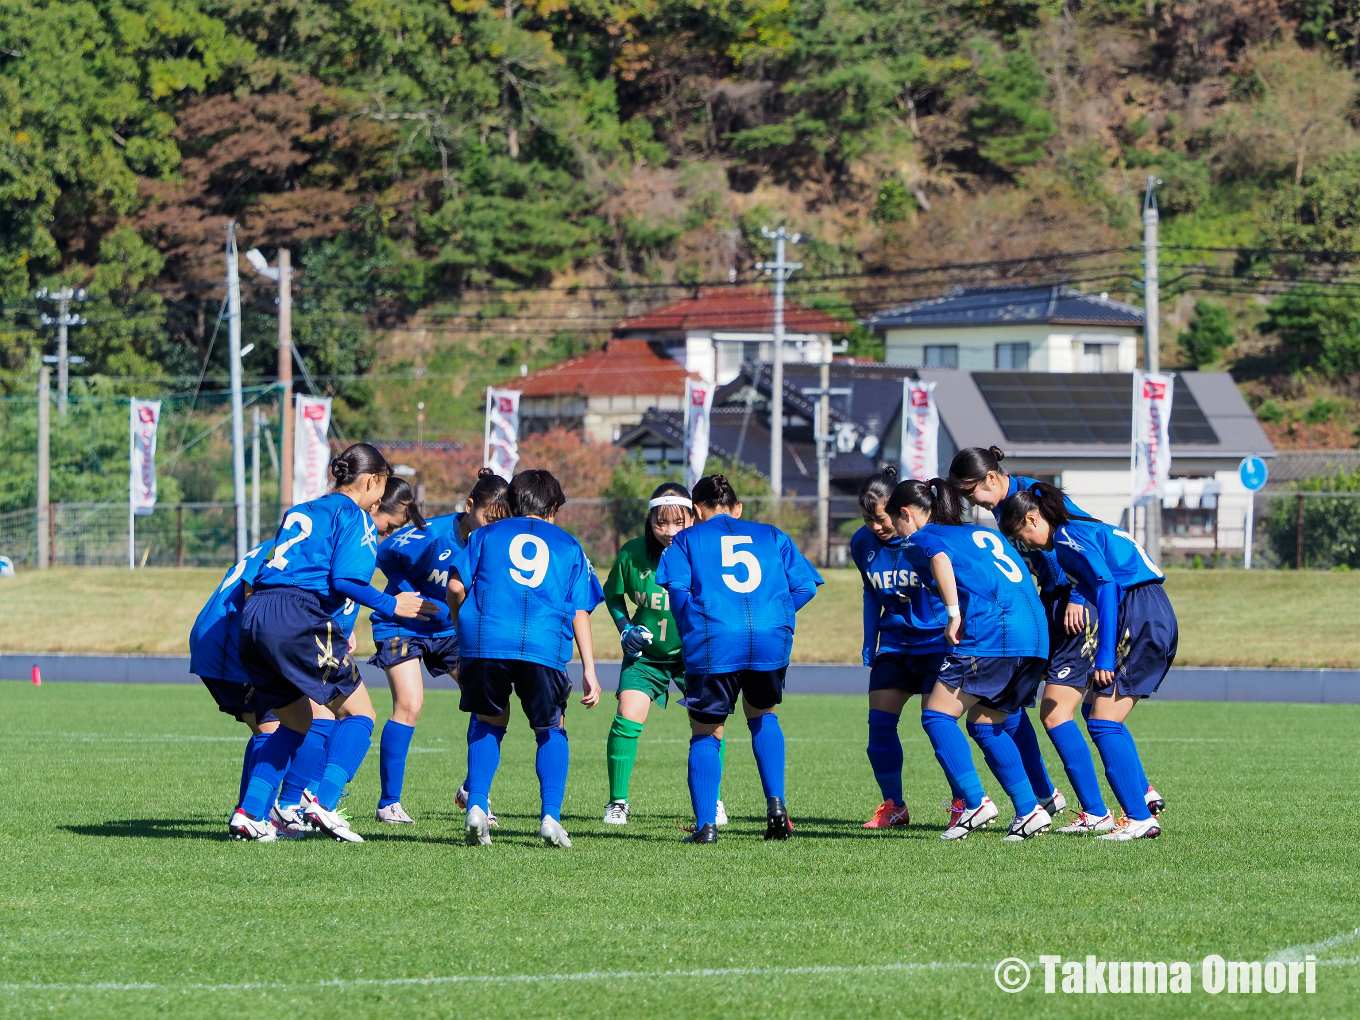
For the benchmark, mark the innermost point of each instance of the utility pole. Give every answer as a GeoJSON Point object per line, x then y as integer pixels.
{"type": "Point", "coordinates": [781, 271]}
{"type": "Point", "coordinates": [822, 434]}
{"type": "Point", "coordinates": [255, 478]}
{"type": "Point", "coordinates": [238, 442]}
{"type": "Point", "coordinates": [44, 466]}
{"type": "Point", "coordinates": [1152, 535]}
{"type": "Point", "coordinates": [283, 275]}
{"type": "Point", "coordinates": [63, 320]}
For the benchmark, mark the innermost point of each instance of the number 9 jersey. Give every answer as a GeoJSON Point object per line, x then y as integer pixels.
{"type": "Point", "coordinates": [525, 580]}
{"type": "Point", "coordinates": [735, 587]}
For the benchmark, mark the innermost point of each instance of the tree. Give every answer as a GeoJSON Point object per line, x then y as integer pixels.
{"type": "Point", "coordinates": [1317, 329]}
{"type": "Point", "coordinates": [1320, 215]}
{"type": "Point", "coordinates": [1331, 527]}
{"type": "Point", "coordinates": [1209, 334]}
{"type": "Point", "coordinates": [1011, 125]}
{"type": "Point", "coordinates": [1306, 107]}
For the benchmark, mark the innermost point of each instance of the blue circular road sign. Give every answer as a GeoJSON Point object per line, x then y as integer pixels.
{"type": "Point", "coordinates": [1253, 473]}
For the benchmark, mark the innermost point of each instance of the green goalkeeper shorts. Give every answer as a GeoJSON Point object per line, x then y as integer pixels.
{"type": "Point", "coordinates": [654, 679]}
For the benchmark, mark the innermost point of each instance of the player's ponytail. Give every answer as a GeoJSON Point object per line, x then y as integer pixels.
{"type": "Point", "coordinates": [939, 497]}
{"type": "Point", "coordinates": [536, 493]}
{"type": "Point", "coordinates": [359, 459]}
{"type": "Point", "coordinates": [715, 492]}
{"type": "Point", "coordinates": [491, 495]}
{"type": "Point", "coordinates": [876, 489]}
{"type": "Point", "coordinates": [1042, 497]}
{"type": "Point", "coordinates": [970, 466]}
{"type": "Point", "coordinates": [399, 500]}
{"type": "Point", "coordinates": [670, 503]}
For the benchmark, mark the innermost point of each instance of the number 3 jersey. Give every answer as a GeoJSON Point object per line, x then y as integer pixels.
{"type": "Point", "coordinates": [525, 580]}
{"type": "Point", "coordinates": [319, 542]}
{"type": "Point", "coordinates": [634, 577]}
{"type": "Point", "coordinates": [1002, 614]}
{"type": "Point", "coordinates": [735, 587]}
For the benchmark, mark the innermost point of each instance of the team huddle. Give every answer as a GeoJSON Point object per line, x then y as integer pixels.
{"type": "Point", "coordinates": [498, 595]}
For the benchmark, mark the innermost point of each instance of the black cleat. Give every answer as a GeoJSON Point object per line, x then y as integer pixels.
{"type": "Point", "coordinates": [703, 834]}
{"type": "Point", "coordinates": [777, 824]}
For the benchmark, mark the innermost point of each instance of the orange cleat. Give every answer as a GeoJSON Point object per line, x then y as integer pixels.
{"type": "Point", "coordinates": [888, 815]}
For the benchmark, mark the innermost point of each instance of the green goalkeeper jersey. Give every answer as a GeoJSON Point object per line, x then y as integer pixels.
{"type": "Point", "coordinates": [634, 577]}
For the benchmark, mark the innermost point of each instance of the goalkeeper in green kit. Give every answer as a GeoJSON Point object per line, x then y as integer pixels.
{"type": "Point", "coordinates": [651, 643]}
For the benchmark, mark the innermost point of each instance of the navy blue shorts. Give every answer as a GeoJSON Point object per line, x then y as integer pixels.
{"type": "Point", "coordinates": [1006, 684]}
{"type": "Point", "coordinates": [1148, 635]}
{"type": "Point", "coordinates": [231, 698]}
{"type": "Point", "coordinates": [440, 654]}
{"type": "Point", "coordinates": [542, 690]}
{"type": "Point", "coordinates": [712, 697]}
{"type": "Point", "coordinates": [914, 674]}
{"type": "Point", "coordinates": [1071, 657]}
{"type": "Point", "coordinates": [291, 649]}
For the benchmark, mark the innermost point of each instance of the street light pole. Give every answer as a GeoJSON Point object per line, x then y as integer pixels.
{"type": "Point", "coordinates": [238, 441]}
{"type": "Point", "coordinates": [781, 270]}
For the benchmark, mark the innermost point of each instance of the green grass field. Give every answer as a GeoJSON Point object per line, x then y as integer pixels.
{"type": "Point", "coordinates": [121, 897]}
{"type": "Point", "coordinates": [1227, 618]}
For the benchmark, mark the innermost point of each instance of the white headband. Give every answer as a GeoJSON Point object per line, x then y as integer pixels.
{"type": "Point", "coordinates": [670, 501]}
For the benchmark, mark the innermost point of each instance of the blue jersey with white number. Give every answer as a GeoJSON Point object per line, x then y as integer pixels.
{"type": "Point", "coordinates": [735, 587]}
{"type": "Point", "coordinates": [525, 579]}
{"type": "Point", "coordinates": [1042, 563]}
{"type": "Point", "coordinates": [417, 559]}
{"type": "Point", "coordinates": [321, 541]}
{"type": "Point", "coordinates": [910, 617]}
{"type": "Point", "coordinates": [1002, 614]}
{"type": "Point", "coordinates": [212, 641]}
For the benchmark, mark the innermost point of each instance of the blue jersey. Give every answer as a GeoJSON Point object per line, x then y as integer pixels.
{"type": "Point", "coordinates": [1042, 563]}
{"type": "Point", "coordinates": [1002, 614]}
{"type": "Point", "coordinates": [1102, 562]}
{"type": "Point", "coordinates": [901, 614]}
{"type": "Point", "coordinates": [212, 641]}
{"type": "Point", "coordinates": [417, 559]}
{"type": "Point", "coordinates": [525, 580]}
{"type": "Point", "coordinates": [319, 542]}
{"type": "Point", "coordinates": [735, 587]}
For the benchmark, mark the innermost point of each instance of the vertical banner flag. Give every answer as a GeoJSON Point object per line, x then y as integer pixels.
{"type": "Point", "coordinates": [1151, 439]}
{"type": "Point", "coordinates": [920, 431]}
{"type": "Point", "coordinates": [500, 451]}
{"type": "Point", "coordinates": [311, 449]}
{"type": "Point", "coordinates": [145, 418]}
{"type": "Point", "coordinates": [698, 411]}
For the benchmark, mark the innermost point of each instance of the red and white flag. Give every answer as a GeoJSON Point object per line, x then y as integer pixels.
{"type": "Point", "coordinates": [698, 412]}
{"type": "Point", "coordinates": [500, 451]}
{"type": "Point", "coordinates": [311, 448]}
{"type": "Point", "coordinates": [1151, 434]}
{"type": "Point", "coordinates": [920, 431]}
{"type": "Point", "coordinates": [144, 420]}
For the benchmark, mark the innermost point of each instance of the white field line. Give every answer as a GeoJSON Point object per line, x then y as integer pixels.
{"type": "Point", "coordinates": [1297, 953]}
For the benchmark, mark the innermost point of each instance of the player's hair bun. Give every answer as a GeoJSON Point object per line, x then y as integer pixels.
{"type": "Point", "coordinates": [486, 472]}
{"type": "Point", "coordinates": [995, 451]}
{"type": "Point", "coordinates": [890, 472]}
{"type": "Point", "coordinates": [715, 491]}
{"type": "Point", "coordinates": [359, 459]}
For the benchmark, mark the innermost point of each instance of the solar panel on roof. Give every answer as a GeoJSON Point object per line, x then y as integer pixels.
{"type": "Point", "coordinates": [1033, 407]}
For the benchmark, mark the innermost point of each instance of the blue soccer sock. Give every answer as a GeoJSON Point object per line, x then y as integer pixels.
{"type": "Point", "coordinates": [1122, 767]}
{"type": "Point", "coordinates": [1026, 741]}
{"type": "Point", "coordinates": [271, 762]}
{"type": "Point", "coordinates": [253, 744]}
{"type": "Point", "coordinates": [885, 754]}
{"type": "Point", "coordinates": [767, 742]}
{"type": "Point", "coordinates": [1081, 771]}
{"type": "Point", "coordinates": [308, 763]}
{"type": "Point", "coordinates": [551, 764]}
{"type": "Point", "coordinates": [484, 758]}
{"type": "Point", "coordinates": [705, 776]}
{"type": "Point", "coordinates": [392, 751]}
{"type": "Point", "coordinates": [951, 751]}
{"type": "Point", "coordinates": [345, 752]}
{"type": "Point", "coordinates": [1003, 758]}
{"type": "Point", "coordinates": [1143, 783]}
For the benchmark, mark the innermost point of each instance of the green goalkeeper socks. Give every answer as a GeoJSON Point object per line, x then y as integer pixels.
{"type": "Point", "coordinates": [620, 753]}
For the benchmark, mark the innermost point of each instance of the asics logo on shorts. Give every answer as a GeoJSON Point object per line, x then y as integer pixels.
{"type": "Point", "coordinates": [1062, 673]}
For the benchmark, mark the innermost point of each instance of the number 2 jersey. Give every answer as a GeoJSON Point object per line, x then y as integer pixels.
{"type": "Point", "coordinates": [525, 581]}
{"type": "Point", "coordinates": [417, 559]}
{"type": "Point", "coordinates": [634, 577]}
{"type": "Point", "coordinates": [322, 542]}
{"type": "Point", "coordinates": [735, 587]}
{"type": "Point", "coordinates": [1002, 614]}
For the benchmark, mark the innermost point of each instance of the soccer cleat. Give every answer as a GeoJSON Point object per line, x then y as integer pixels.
{"type": "Point", "coordinates": [552, 833]}
{"type": "Point", "coordinates": [616, 812]}
{"type": "Point", "coordinates": [887, 815]}
{"type": "Point", "coordinates": [979, 817]}
{"type": "Point", "coordinates": [722, 814]}
{"type": "Point", "coordinates": [477, 830]}
{"type": "Point", "coordinates": [1128, 828]}
{"type": "Point", "coordinates": [394, 814]}
{"type": "Point", "coordinates": [1055, 804]}
{"type": "Point", "coordinates": [1031, 825]}
{"type": "Point", "coordinates": [1155, 803]}
{"type": "Point", "coordinates": [289, 821]}
{"type": "Point", "coordinates": [1089, 823]}
{"type": "Point", "coordinates": [703, 834]}
{"type": "Point", "coordinates": [332, 823]}
{"type": "Point", "coordinates": [955, 808]}
{"type": "Point", "coordinates": [252, 830]}
{"type": "Point", "coordinates": [777, 824]}
{"type": "Point", "coordinates": [461, 799]}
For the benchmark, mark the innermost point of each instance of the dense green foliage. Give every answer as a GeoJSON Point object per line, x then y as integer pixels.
{"type": "Point", "coordinates": [1331, 527]}
{"type": "Point", "coordinates": [1208, 335]}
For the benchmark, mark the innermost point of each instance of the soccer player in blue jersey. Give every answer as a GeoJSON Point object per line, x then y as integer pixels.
{"type": "Point", "coordinates": [295, 654]}
{"type": "Point", "coordinates": [213, 654]}
{"type": "Point", "coordinates": [1137, 632]}
{"type": "Point", "coordinates": [734, 587]}
{"type": "Point", "coordinates": [522, 590]}
{"type": "Point", "coordinates": [903, 640]}
{"type": "Point", "coordinates": [416, 558]}
{"type": "Point", "coordinates": [999, 644]}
